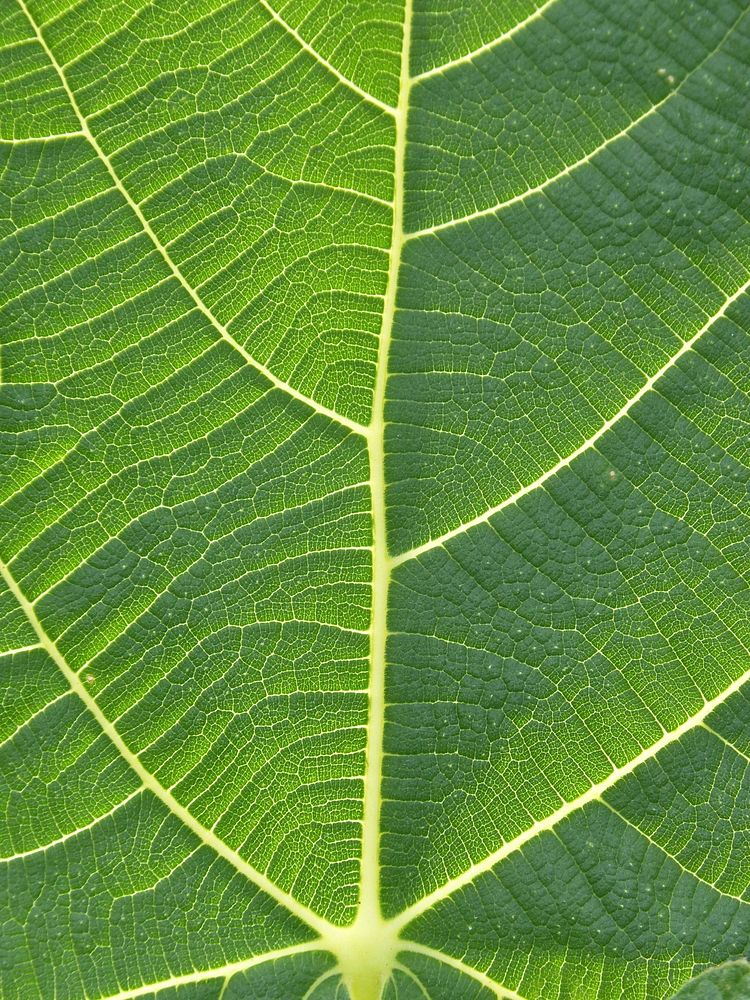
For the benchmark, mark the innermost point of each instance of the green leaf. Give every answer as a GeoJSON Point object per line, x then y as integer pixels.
{"type": "Point", "coordinates": [374, 499]}
{"type": "Point", "coordinates": [727, 982]}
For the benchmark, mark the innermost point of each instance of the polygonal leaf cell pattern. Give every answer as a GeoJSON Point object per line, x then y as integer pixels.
{"type": "Point", "coordinates": [375, 499]}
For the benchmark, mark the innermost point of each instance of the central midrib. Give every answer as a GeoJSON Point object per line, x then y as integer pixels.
{"type": "Point", "coordinates": [369, 907]}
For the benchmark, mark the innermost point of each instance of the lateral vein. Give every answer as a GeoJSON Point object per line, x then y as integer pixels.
{"type": "Point", "coordinates": [471, 56]}
{"type": "Point", "coordinates": [25, 140]}
{"type": "Point", "coordinates": [729, 746]}
{"type": "Point", "coordinates": [208, 837]}
{"type": "Point", "coordinates": [501, 992]}
{"type": "Point", "coordinates": [571, 168]}
{"type": "Point", "coordinates": [352, 425]}
{"type": "Point", "coordinates": [687, 345]}
{"type": "Point", "coordinates": [548, 823]}
{"type": "Point", "coordinates": [72, 833]}
{"type": "Point", "coordinates": [388, 108]}
{"type": "Point", "coordinates": [227, 971]}
{"type": "Point", "coordinates": [666, 853]}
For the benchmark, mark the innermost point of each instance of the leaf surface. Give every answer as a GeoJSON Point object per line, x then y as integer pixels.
{"type": "Point", "coordinates": [374, 499]}
{"type": "Point", "coordinates": [726, 982]}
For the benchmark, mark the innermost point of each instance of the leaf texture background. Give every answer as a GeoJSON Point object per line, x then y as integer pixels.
{"type": "Point", "coordinates": [374, 526]}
